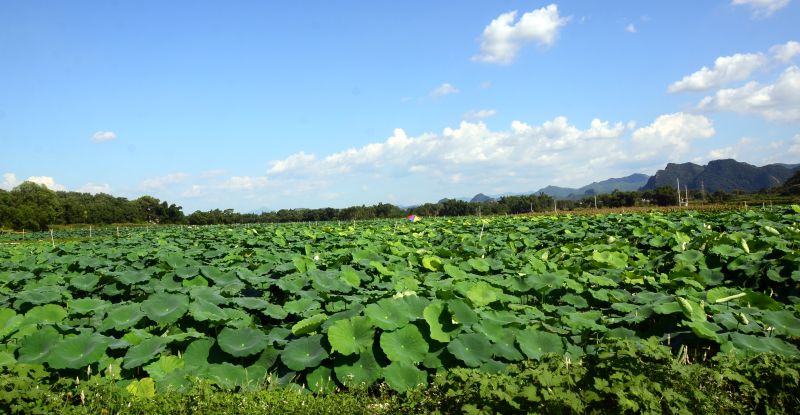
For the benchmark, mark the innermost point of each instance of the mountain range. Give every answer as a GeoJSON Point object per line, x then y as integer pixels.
{"type": "Point", "coordinates": [725, 175]}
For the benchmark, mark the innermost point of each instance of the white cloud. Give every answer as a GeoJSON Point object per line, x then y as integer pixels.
{"type": "Point", "coordinates": [194, 191]}
{"type": "Point", "coordinates": [722, 153]}
{"type": "Point", "coordinates": [102, 136]}
{"type": "Point", "coordinates": [762, 8]}
{"type": "Point", "coordinates": [503, 37]}
{"type": "Point", "coordinates": [777, 101]}
{"type": "Point", "coordinates": [9, 181]}
{"type": "Point", "coordinates": [246, 183]}
{"type": "Point", "coordinates": [786, 52]}
{"type": "Point", "coordinates": [479, 114]}
{"type": "Point", "coordinates": [444, 89]}
{"type": "Point", "coordinates": [465, 154]}
{"type": "Point", "coordinates": [630, 28]}
{"type": "Point", "coordinates": [726, 69]}
{"type": "Point", "coordinates": [671, 133]}
{"type": "Point", "coordinates": [794, 145]}
{"type": "Point", "coordinates": [486, 84]}
{"type": "Point", "coordinates": [47, 181]}
{"type": "Point", "coordinates": [95, 188]}
{"type": "Point", "coordinates": [160, 182]}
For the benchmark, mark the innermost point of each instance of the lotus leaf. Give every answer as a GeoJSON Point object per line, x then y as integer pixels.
{"type": "Point", "coordinates": [535, 343]}
{"type": "Point", "coordinates": [85, 282]}
{"type": "Point", "coordinates": [403, 377]}
{"type": "Point", "coordinates": [36, 347]}
{"type": "Point", "coordinates": [228, 376]}
{"type": "Point", "coordinates": [308, 325]}
{"type": "Point", "coordinates": [78, 351]}
{"type": "Point", "coordinates": [404, 345]}
{"type": "Point", "coordinates": [163, 367]}
{"type": "Point", "coordinates": [9, 321]}
{"type": "Point", "coordinates": [783, 321]}
{"type": "Point", "coordinates": [389, 314]}
{"type": "Point", "coordinates": [241, 342]}
{"type": "Point", "coordinates": [45, 314]}
{"type": "Point", "coordinates": [87, 306]}
{"type": "Point", "coordinates": [203, 310]}
{"type": "Point", "coordinates": [144, 352]}
{"type": "Point", "coordinates": [142, 388]}
{"type": "Point", "coordinates": [41, 295]}
{"type": "Point", "coordinates": [320, 380]}
{"type": "Point", "coordinates": [122, 317]}
{"type": "Point", "coordinates": [358, 371]}
{"type": "Point", "coordinates": [350, 336]}
{"type": "Point", "coordinates": [303, 353]}
{"type": "Point", "coordinates": [165, 308]}
{"type": "Point", "coordinates": [471, 348]}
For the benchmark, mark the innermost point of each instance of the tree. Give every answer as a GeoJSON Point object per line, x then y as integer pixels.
{"type": "Point", "coordinates": [36, 206]}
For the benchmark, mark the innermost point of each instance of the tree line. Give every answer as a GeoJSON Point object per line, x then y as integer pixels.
{"type": "Point", "coordinates": [35, 207]}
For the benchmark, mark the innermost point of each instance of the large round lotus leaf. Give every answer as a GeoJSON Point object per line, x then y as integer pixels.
{"type": "Point", "coordinates": [404, 345]}
{"type": "Point", "coordinates": [403, 377]}
{"type": "Point", "coordinates": [784, 322]}
{"type": "Point", "coordinates": [350, 336]}
{"type": "Point", "coordinates": [478, 264]}
{"type": "Point", "coordinates": [9, 321]}
{"type": "Point", "coordinates": [473, 349]}
{"type": "Point", "coordinates": [165, 308]}
{"type": "Point", "coordinates": [275, 311]}
{"type": "Point", "coordinates": [308, 325]}
{"type": "Point", "coordinates": [209, 294]}
{"type": "Point", "coordinates": [87, 305]}
{"type": "Point", "coordinates": [278, 335]}
{"type": "Point", "coordinates": [7, 359]}
{"type": "Point", "coordinates": [42, 295]}
{"type": "Point", "coordinates": [85, 282]}
{"type": "Point", "coordinates": [203, 310]}
{"type": "Point", "coordinates": [481, 293]}
{"type": "Point", "coordinates": [45, 314]}
{"type": "Point", "coordinates": [321, 380]}
{"type": "Point", "coordinates": [144, 352]}
{"type": "Point", "coordinates": [36, 347]}
{"type": "Point", "coordinates": [455, 271]}
{"type": "Point", "coordinates": [163, 367]}
{"type": "Point", "coordinates": [122, 317]}
{"type": "Point", "coordinates": [757, 344]}
{"type": "Point", "coordinates": [226, 375]}
{"type": "Point", "coordinates": [715, 294]}
{"type": "Point", "coordinates": [195, 359]}
{"type": "Point", "coordinates": [197, 281]}
{"type": "Point", "coordinates": [241, 342]}
{"type": "Point", "coordinates": [389, 314]}
{"type": "Point", "coordinates": [535, 343]}
{"type": "Point", "coordinates": [78, 351]}
{"type": "Point", "coordinates": [131, 277]}
{"type": "Point", "coordinates": [358, 371]}
{"type": "Point", "coordinates": [303, 353]}
{"type": "Point", "coordinates": [300, 306]}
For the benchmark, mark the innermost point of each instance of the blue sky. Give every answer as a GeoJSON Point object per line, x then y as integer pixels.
{"type": "Point", "coordinates": [268, 105]}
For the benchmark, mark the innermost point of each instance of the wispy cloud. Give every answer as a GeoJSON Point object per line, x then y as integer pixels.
{"type": "Point", "coordinates": [444, 89]}
{"type": "Point", "coordinates": [103, 136]}
{"type": "Point", "coordinates": [479, 114]}
{"type": "Point", "coordinates": [762, 8]}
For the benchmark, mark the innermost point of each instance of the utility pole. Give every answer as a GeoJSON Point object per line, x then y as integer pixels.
{"type": "Point", "coordinates": [679, 191]}
{"type": "Point", "coordinates": [595, 201]}
{"type": "Point", "coordinates": [686, 191]}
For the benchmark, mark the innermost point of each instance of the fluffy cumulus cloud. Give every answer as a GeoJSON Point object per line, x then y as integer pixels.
{"type": "Point", "coordinates": [470, 153]}
{"type": "Point", "coordinates": [786, 52]}
{"type": "Point", "coordinates": [9, 181]}
{"type": "Point", "coordinates": [794, 145]}
{"type": "Point", "coordinates": [103, 136]}
{"type": "Point", "coordinates": [762, 8]}
{"type": "Point", "coordinates": [444, 89]}
{"type": "Point", "coordinates": [246, 183]}
{"type": "Point", "coordinates": [95, 188]}
{"type": "Point", "coordinates": [502, 39]}
{"type": "Point", "coordinates": [630, 28]}
{"type": "Point", "coordinates": [479, 114]}
{"type": "Point", "coordinates": [779, 100]}
{"type": "Point", "coordinates": [672, 134]}
{"type": "Point", "coordinates": [160, 182]}
{"type": "Point", "coordinates": [726, 69]}
{"type": "Point", "coordinates": [47, 181]}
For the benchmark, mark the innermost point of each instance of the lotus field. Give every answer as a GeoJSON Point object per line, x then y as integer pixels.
{"type": "Point", "coordinates": [329, 306]}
